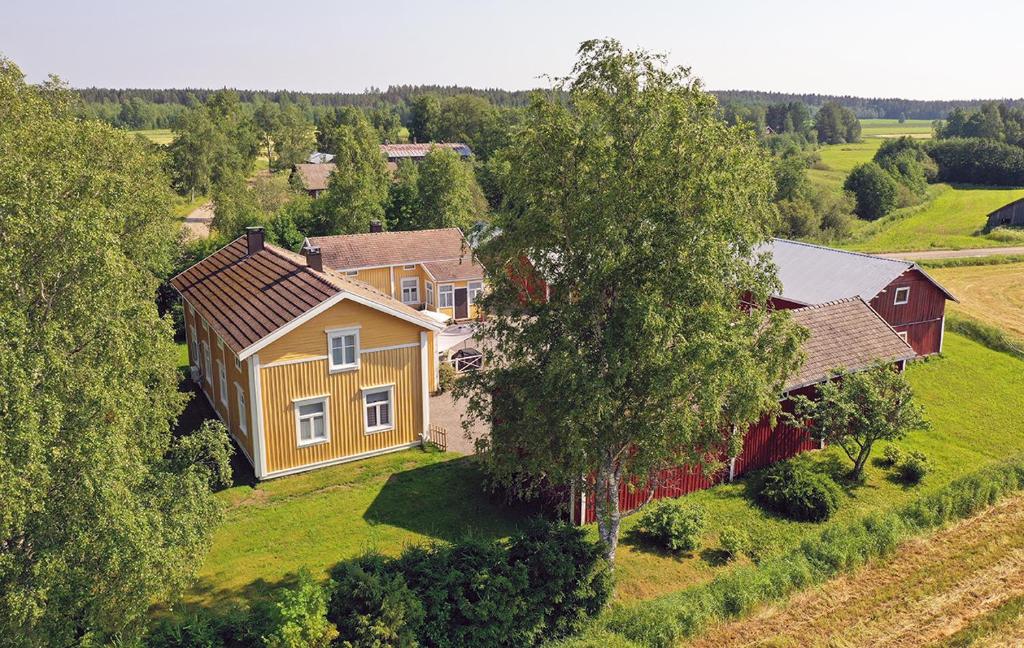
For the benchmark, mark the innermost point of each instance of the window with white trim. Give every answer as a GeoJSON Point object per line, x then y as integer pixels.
{"type": "Point", "coordinates": [903, 336]}
{"type": "Point", "coordinates": [902, 296]}
{"type": "Point", "coordinates": [238, 364]}
{"type": "Point", "coordinates": [311, 425]}
{"type": "Point", "coordinates": [220, 344]}
{"type": "Point", "coordinates": [243, 413]}
{"type": "Point", "coordinates": [410, 290]}
{"type": "Point", "coordinates": [343, 349]}
{"type": "Point", "coordinates": [445, 295]}
{"type": "Point", "coordinates": [352, 273]}
{"type": "Point", "coordinates": [475, 288]}
{"type": "Point", "coordinates": [430, 293]}
{"type": "Point", "coordinates": [378, 410]}
{"type": "Point", "coordinates": [223, 374]}
{"type": "Point", "coordinates": [207, 363]}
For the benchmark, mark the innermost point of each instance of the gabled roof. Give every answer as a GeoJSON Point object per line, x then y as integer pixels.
{"type": "Point", "coordinates": [252, 299]}
{"type": "Point", "coordinates": [845, 334]}
{"type": "Point", "coordinates": [314, 177]}
{"type": "Point", "coordinates": [814, 274]}
{"type": "Point", "coordinates": [317, 157]}
{"type": "Point", "coordinates": [378, 249]}
{"type": "Point", "coordinates": [455, 269]}
{"type": "Point", "coordinates": [399, 151]}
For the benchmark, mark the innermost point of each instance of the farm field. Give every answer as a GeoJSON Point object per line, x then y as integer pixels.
{"type": "Point", "coordinates": [389, 502]}
{"type": "Point", "coordinates": [156, 135]}
{"type": "Point", "coordinates": [918, 128]}
{"type": "Point", "coordinates": [959, 586]}
{"type": "Point", "coordinates": [993, 294]}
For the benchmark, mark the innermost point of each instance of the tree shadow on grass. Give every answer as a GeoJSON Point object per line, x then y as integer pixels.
{"type": "Point", "coordinates": [447, 501]}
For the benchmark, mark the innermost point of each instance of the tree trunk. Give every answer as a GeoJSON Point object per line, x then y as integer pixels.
{"type": "Point", "coordinates": [862, 460]}
{"type": "Point", "coordinates": [606, 499]}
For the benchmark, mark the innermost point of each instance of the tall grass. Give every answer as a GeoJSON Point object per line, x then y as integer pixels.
{"type": "Point", "coordinates": [985, 334]}
{"type": "Point", "coordinates": [839, 548]}
{"type": "Point", "coordinates": [963, 262]}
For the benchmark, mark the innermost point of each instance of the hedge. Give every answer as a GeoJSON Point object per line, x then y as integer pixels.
{"type": "Point", "coordinates": [839, 548]}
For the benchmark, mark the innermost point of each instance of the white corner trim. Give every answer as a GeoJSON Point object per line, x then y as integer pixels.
{"type": "Point", "coordinates": [942, 331]}
{"type": "Point", "coordinates": [425, 382]}
{"type": "Point", "coordinates": [437, 365]}
{"type": "Point", "coordinates": [256, 420]}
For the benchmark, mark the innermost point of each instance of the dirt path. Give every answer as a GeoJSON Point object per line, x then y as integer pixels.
{"type": "Point", "coordinates": [198, 222]}
{"type": "Point", "coordinates": [932, 588]}
{"type": "Point", "coordinates": [924, 255]}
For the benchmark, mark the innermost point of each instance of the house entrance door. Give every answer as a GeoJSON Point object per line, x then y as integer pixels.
{"type": "Point", "coordinates": [461, 304]}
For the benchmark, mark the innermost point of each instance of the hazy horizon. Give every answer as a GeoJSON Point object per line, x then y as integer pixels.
{"type": "Point", "coordinates": [916, 50]}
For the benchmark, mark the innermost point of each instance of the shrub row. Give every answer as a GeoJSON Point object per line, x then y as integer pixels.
{"type": "Point", "coordinates": [985, 334]}
{"type": "Point", "coordinates": [547, 582]}
{"type": "Point", "coordinates": [978, 161]}
{"type": "Point", "coordinates": [840, 547]}
{"type": "Point", "coordinates": [959, 262]}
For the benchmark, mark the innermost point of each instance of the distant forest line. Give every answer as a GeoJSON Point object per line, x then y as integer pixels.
{"type": "Point", "coordinates": [400, 95]}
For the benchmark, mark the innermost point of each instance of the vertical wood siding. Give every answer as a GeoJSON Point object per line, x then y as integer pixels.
{"type": "Point", "coordinates": [284, 383]}
{"type": "Point", "coordinates": [379, 278]}
{"type": "Point", "coordinates": [921, 317]}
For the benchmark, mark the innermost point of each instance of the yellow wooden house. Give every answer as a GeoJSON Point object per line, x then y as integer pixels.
{"type": "Point", "coordinates": [306, 366]}
{"type": "Point", "coordinates": [432, 270]}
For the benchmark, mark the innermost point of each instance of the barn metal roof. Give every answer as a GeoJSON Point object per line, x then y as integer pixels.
{"type": "Point", "coordinates": [813, 274]}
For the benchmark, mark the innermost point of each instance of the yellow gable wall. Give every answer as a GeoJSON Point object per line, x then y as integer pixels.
{"type": "Point", "coordinates": [379, 278]}
{"type": "Point", "coordinates": [376, 329]}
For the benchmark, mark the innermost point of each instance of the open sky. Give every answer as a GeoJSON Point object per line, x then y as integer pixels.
{"type": "Point", "coordinates": [906, 48]}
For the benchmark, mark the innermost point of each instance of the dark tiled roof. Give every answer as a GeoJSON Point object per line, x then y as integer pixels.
{"type": "Point", "coordinates": [400, 151]}
{"type": "Point", "coordinates": [314, 177]}
{"type": "Point", "coordinates": [376, 249]}
{"type": "Point", "coordinates": [455, 269]}
{"type": "Point", "coordinates": [846, 334]}
{"type": "Point", "coordinates": [245, 298]}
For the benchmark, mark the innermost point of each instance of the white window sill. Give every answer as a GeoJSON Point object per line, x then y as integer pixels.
{"type": "Point", "coordinates": [378, 429]}
{"type": "Point", "coordinates": [314, 442]}
{"type": "Point", "coordinates": [343, 369]}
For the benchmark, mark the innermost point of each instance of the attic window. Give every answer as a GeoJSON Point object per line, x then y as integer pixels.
{"type": "Point", "coordinates": [902, 296]}
{"type": "Point", "coordinates": [409, 267]}
{"type": "Point", "coordinates": [343, 349]}
{"type": "Point", "coordinates": [352, 273]}
{"type": "Point", "coordinates": [903, 335]}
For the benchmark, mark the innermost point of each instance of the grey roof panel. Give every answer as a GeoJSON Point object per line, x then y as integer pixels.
{"type": "Point", "coordinates": [812, 274]}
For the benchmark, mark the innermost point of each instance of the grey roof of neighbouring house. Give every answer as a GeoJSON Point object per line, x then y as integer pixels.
{"type": "Point", "coordinates": [813, 274]}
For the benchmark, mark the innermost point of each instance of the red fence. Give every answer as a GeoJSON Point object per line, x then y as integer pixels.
{"type": "Point", "coordinates": [763, 445]}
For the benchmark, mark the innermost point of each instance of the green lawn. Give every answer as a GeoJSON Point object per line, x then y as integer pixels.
{"type": "Point", "coordinates": [972, 397]}
{"type": "Point", "coordinates": [838, 160]}
{"type": "Point", "coordinates": [952, 219]}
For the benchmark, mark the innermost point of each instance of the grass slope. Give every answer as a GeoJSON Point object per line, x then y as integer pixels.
{"type": "Point", "coordinates": [972, 398]}
{"type": "Point", "coordinates": [993, 294]}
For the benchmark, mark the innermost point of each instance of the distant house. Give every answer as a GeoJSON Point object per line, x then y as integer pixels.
{"type": "Point", "coordinates": [305, 366]}
{"type": "Point", "coordinates": [432, 270]}
{"type": "Point", "coordinates": [845, 334]}
{"type": "Point", "coordinates": [416, 152]}
{"type": "Point", "coordinates": [314, 177]}
{"type": "Point", "coordinates": [319, 158]}
{"type": "Point", "coordinates": [1010, 215]}
{"type": "Point", "coordinates": [902, 293]}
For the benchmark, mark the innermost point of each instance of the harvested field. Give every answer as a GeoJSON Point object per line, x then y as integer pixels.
{"type": "Point", "coordinates": [932, 592]}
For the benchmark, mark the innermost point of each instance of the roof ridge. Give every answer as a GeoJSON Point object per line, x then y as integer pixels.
{"type": "Point", "coordinates": [908, 264]}
{"type": "Point", "coordinates": [834, 302]}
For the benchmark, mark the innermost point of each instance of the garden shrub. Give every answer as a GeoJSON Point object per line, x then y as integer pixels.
{"type": "Point", "coordinates": [203, 629]}
{"type": "Point", "coordinates": [672, 525]}
{"type": "Point", "coordinates": [372, 606]}
{"type": "Point", "coordinates": [797, 490]}
{"type": "Point", "coordinates": [735, 541]}
{"type": "Point", "coordinates": [296, 617]}
{"type": "Point", "coordinates": [914, 467]}
{"type": "Point", "coordinates": [892, 455]}
{"type": "Point", "coordinates": [446, 377]}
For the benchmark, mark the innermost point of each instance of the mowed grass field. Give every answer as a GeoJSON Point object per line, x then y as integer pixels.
{"type": "Point", "coordinates": [993, 294]}
{"type": "Point", "coordinates": [918, 128]}
{"type": "Point", "coordinates": [971, 396]}
{"type": "Point", "coordinates": [957, 587]}
{"type": "Point", "coordinates": [157, 135]}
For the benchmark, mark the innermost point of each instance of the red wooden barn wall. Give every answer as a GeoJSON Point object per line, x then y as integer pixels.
{"type": "Point", "coordinates": [763, 445]}
{"type": "Point", "coordinates": [921, 317]}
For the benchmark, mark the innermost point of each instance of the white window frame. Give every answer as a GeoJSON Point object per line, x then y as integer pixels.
{"type": "Point", "coordinates": [296, 404]}
{"type": "Point", "coordinates": [905, 290]}
{"type": "Point", "coordinates": [238, 364]}
{"type": "Point", "coordinates": [243, 416]}
{"type": "Point", "coordinates": [390, 389]}
{"type": "Point", "coordinates": [333, 334]}
{"type": "Point", "coordinates": [430, 293]}
{"type": "Point", "coordinates": [207, 363]}
{"type": "Point", "coordinates": [222, 382]}
{"type": "Point", "coordinates": [220, 344]}
{"type": "Point", "coordinates": [473, 289]}
{"type": "Point", "coordinates": [414, 284]}
{"type": "Point", "coordinates": [903, 336]}
{"type": "Point", "coordinates": [446, 290]}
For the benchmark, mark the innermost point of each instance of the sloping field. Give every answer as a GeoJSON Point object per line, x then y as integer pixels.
{"type": "Point", "coordinates": [932, 589]}
{"type": "Point", "coordinates": [993, 294]}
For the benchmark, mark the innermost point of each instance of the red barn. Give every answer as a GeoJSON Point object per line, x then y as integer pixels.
{"type": "Point", "coordinates": [901, 292]}
{"type": "Point", "coordinates": [846, 333]}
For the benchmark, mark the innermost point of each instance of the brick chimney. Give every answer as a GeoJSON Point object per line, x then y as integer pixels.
{"type": "Point", "coordinates": [253, 239]}
{"type": "Point", "coordinates": [376, 226]}
{"type": "Point", "coordinates": [314, 259]}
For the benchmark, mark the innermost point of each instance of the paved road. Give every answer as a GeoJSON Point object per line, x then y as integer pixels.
{"type": "Point", "coordinates": [951, 254]}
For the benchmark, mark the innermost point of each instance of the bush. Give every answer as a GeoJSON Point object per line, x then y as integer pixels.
{"type": "Point", "coordinates": [372, 607]}
{"type": "Point", "coordinates": [735, 541]}
{"type": "Point", "coordinates": [797, 490]}
{"type": "Point", "coordinates": [672, 525]}
{"type": "Point", "coordinates": [892, 455]}
{"type": "Point", "coordinates": [874, 190]}
{"type": "Point", "coordinates": [203, 629]}
{"type": "Point", "coordinates": [446, 377]}
{"type": "Point", "coordinates": [914, 467]}
{"type": "Point", "coordinates": [297, 616]}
